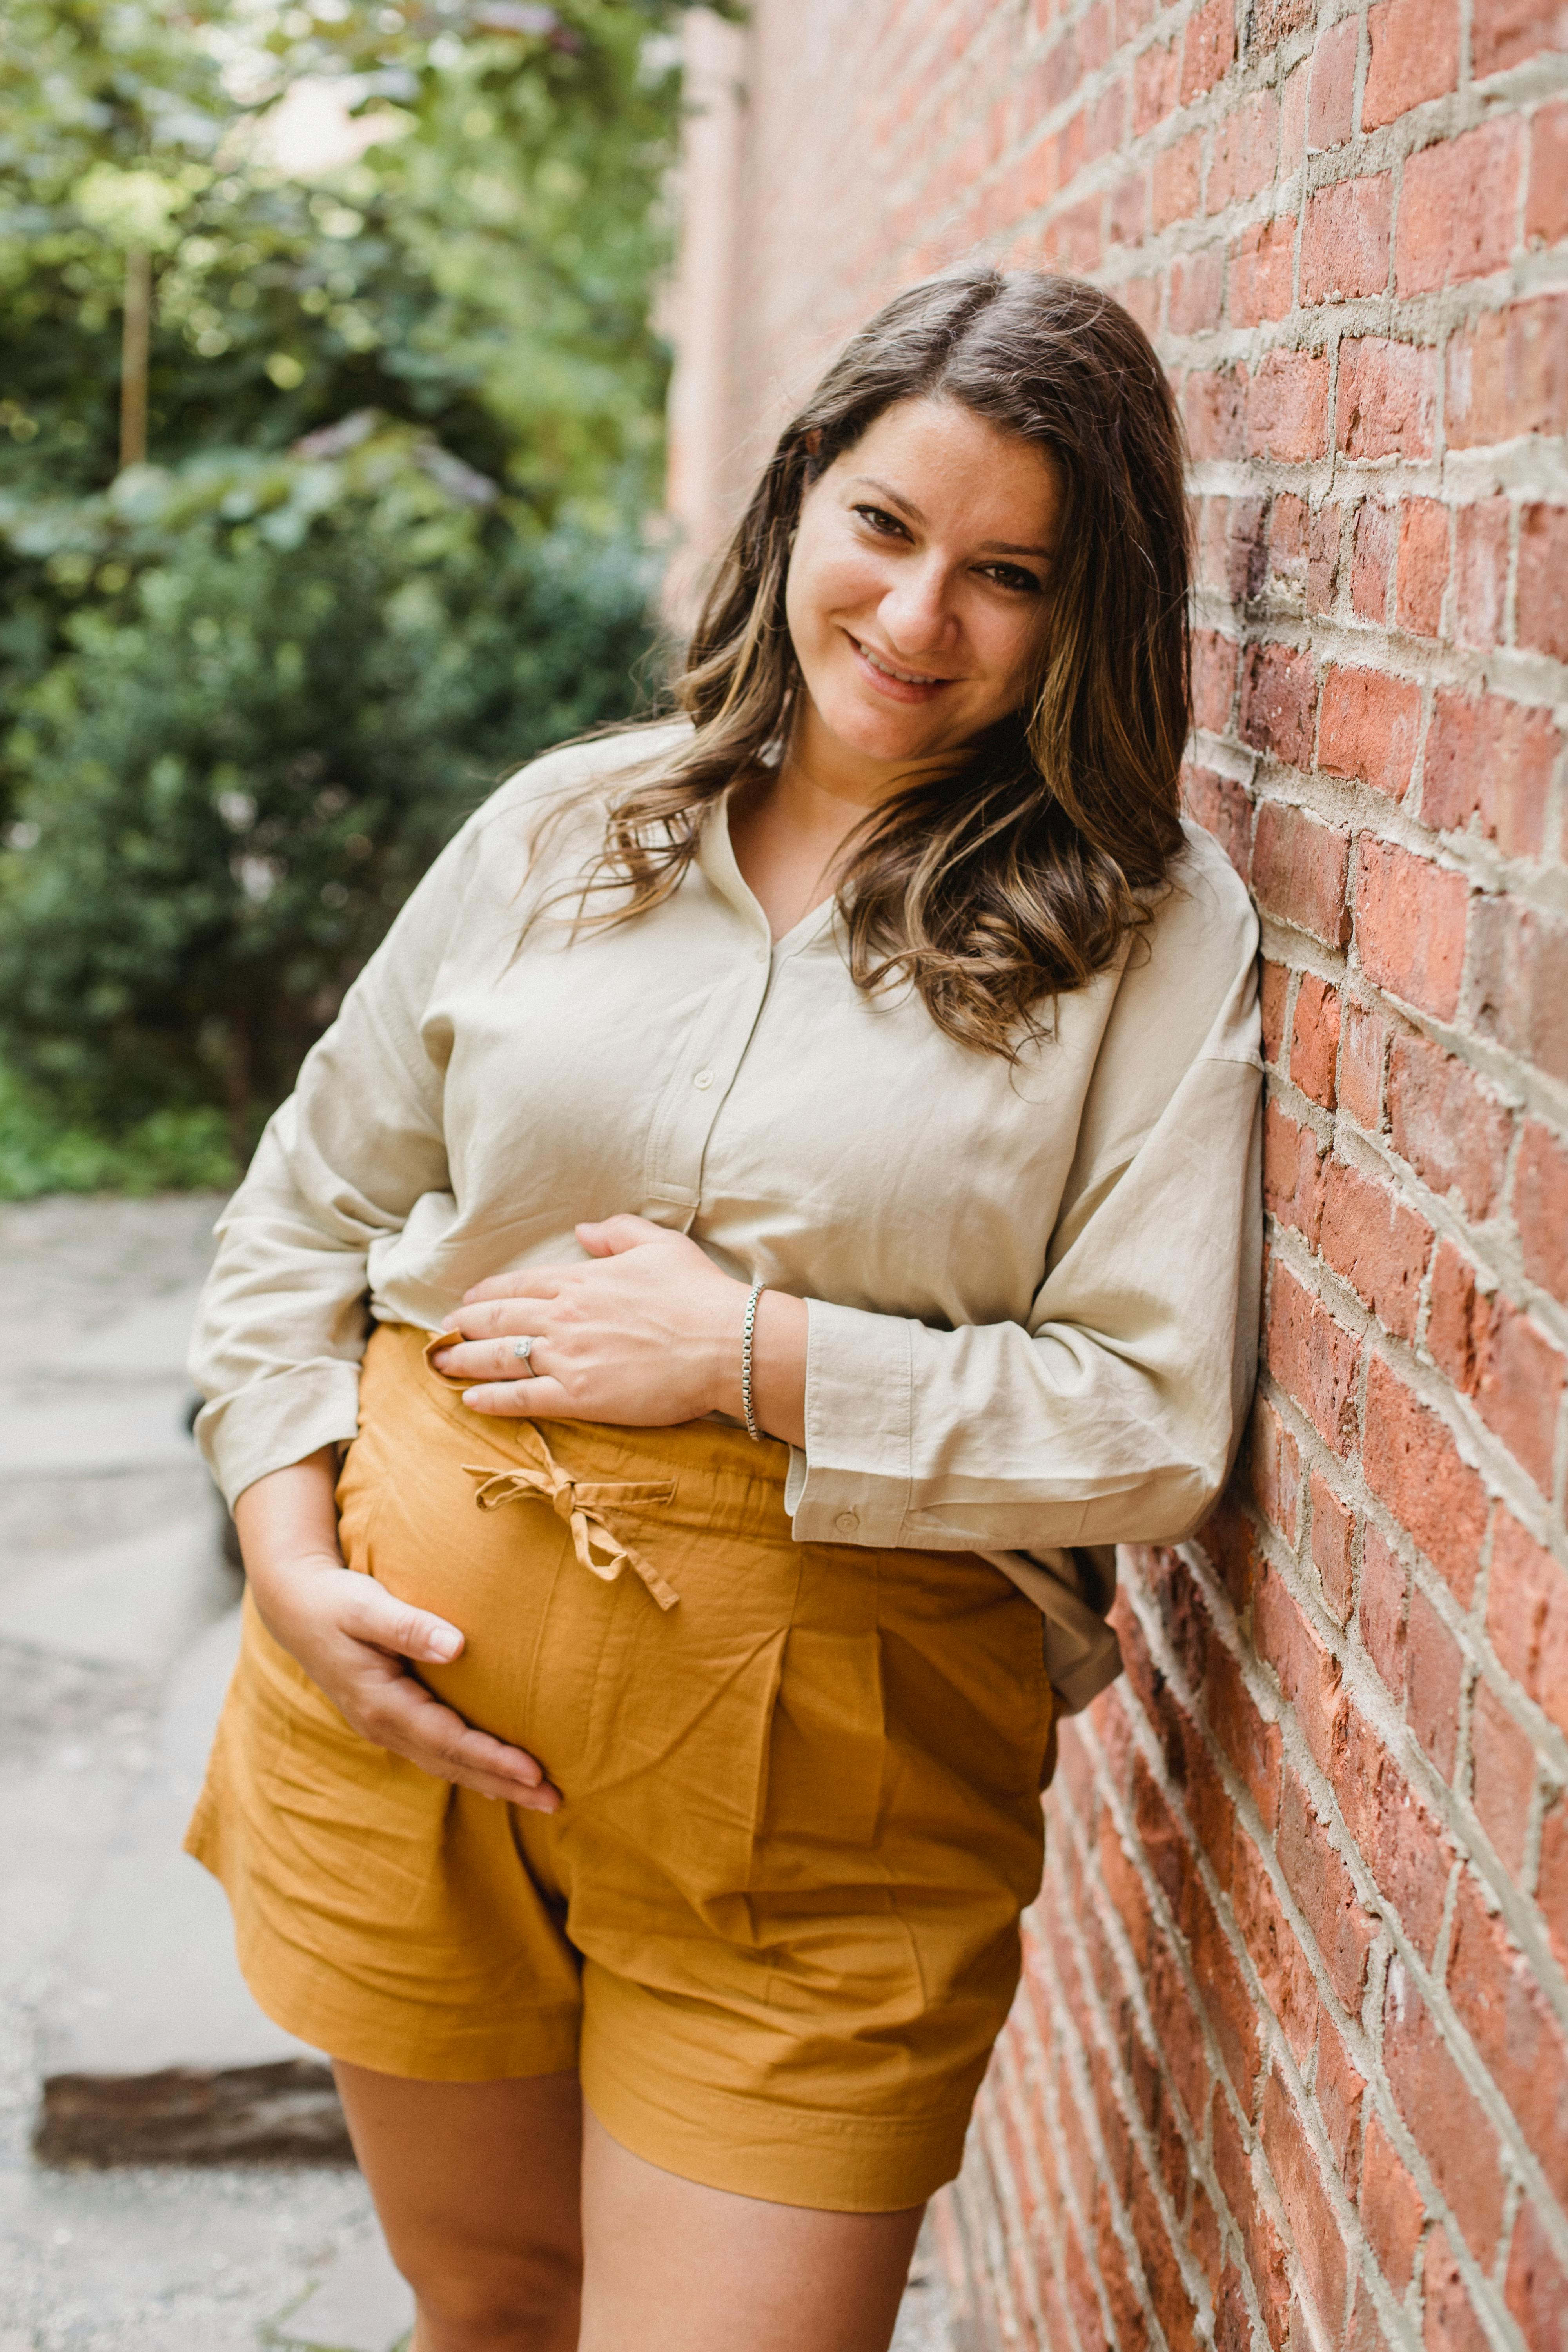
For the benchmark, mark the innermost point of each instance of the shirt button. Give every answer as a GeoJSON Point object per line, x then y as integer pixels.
{"type": "Point", "coordinates": [762, 956]}
{"type": "Point", "coordinates": [846, 1522]}
{"type": "Point", "coordinates": [703, 1078]}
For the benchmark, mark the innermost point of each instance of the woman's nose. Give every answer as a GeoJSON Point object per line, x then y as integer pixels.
{"type": "Point", "coordinates": [917, 612]}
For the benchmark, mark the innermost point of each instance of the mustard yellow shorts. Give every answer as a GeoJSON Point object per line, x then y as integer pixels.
{"type": "Point", "coordinates": [774, 1924]}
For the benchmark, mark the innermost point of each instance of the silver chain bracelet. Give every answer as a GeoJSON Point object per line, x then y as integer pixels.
{"type": "Point", "coordinates": [748, 1337]}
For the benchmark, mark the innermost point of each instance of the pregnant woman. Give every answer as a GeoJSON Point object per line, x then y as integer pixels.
{"type": "Point", "coordinates": [797, 1167]}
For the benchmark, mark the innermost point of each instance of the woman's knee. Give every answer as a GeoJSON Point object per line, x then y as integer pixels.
{"type": "Point", "coordinates": [524, 2302]}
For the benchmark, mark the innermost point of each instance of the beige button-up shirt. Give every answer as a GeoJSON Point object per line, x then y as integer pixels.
{"type": "Point", "coordinates": [1032, 1290]}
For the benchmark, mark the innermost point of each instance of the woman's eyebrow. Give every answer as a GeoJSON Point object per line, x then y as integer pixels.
{"type": "Point", "coordinates": [990, 546]}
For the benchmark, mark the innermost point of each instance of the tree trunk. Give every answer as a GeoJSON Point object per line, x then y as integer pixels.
{"type": "Point", "coordinates": [134, 358]}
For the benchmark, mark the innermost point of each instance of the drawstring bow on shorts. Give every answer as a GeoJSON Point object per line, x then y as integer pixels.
{"type": "Point", "coordinates": [580, 1503]}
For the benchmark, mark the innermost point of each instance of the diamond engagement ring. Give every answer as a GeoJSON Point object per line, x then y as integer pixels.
{"type": "Point", "coordinates": [522, 1348]}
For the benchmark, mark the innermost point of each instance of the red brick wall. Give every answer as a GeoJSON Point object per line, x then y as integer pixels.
{"type": "Point", "coordinates": [1290, 2063]}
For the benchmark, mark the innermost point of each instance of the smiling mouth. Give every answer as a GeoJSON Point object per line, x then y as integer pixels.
{"type": "Point", "coordinates": [903, 677]}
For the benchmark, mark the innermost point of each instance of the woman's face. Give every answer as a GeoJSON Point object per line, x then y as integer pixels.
{"type": "Point", "coordinates": [918, 586]}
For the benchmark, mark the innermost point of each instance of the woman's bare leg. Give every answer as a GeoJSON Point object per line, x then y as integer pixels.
{"type": "Point", "coordinates": [671, 2266]}
{"type": "Point", "coordinates": [477, 2188]}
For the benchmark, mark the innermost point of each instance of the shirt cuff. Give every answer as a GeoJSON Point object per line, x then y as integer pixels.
{"type": "Point", "coordinates": [859, 1385]}
{"type": "Point", "coordinates": [277, 1420]}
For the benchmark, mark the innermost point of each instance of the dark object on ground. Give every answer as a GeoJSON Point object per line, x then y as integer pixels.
{"type": "Point", "coordinates": [287, 2113]}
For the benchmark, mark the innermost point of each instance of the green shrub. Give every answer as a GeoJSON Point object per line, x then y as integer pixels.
{"type": "Point", "coordinates": [242, 763]}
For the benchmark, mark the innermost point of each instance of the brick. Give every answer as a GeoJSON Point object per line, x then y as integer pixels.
{"type": "Point", "coordinates": [1387, 399]}
{"type": "Point", "coordinates": [1491, 760]}
{"type": "Point", "coordinates": [1408, 1853]}
{"type": "Point", "coordinates": [1371, 553]}
{"type": "Point", "coordinates": [1173, 184]}
{"type": "Point", "coordinates": [1262, 271]}
{"type": "Point", "coordinates": [1288, 406]}
{"type": "Point", "coordinates": [1214, 679]}
{"type": "Point", "coordinates": [1450, 1127]}
{"type": "Point", "coordinates": [1284, 1975]}
{"type": "Point", "coordinates": [1447, 2121]}
{"type": "Point", "coordinates": [1325, 1892]}
{"type": "Point", "coordinates": [1378, 1244]}
{"type": "Point", "coordinates": [1162, 2270]}
{"type": "Point", "coordinates": [1421, 571]}
{"type": "Point", "coordinates": [1520, 982]}
{"type": "Point", "coordinates": [1293, 121]}
{"type": "Point", "coordinates": [1458, 206]}
{"type": "Point", "coordinates": [1229, 1539]}
{"type": "Point", "coordinates": [1385, 1611]}
{"type": "Point", "coordinates": [1222, 1991]}
{"type": "Point", "coordinates": [1245, 145]}
{"type": "Point", "coordinates": [1389, 2205]}
{"type": "Point", "coordinates": [1308, 1672]}
{"type": "Point", "coordinates": [1274, 984]}
{"type": "Point", "coordinates": [1154, 84]}
{"type": "Point", "coordinates": [1411, 1463]}
{"type": "Point", "coordinates": [1332, 1539]}
{"type": "Point", "coordinates": [1207, 49]}
{"type": "Point", "coordinates": [1250, 1742]}
{"type": "Point", "coordinates": [1508, 375]}
{"type": "Point", "coordinates": [1315, 1039]}
{"type": "Point", "coordinates": [1330, 98]}
{"type": "Point", "coordinates": [1320, 2248]}
{"type": "Point", "coordinates": [1536, 2290]}
{"type": "Point", "coordinates": [1527, 1617]}
{"type": "Point", "coordinates": [1287, 559]}
{"type": "Point", "coordinates": [1339, 2092]}
{"type": "Point", "coordinates": [1272, 20]}
{"type": "Point", "coordinates": [1260, 2241]}
{"type": "Point", "coordinates": [1542, 586]}
{"type": "Point", "coordinates": [1481, 572]}
{"type": "Point", "coordinates": [1496, 1356]}
{"type": "Point", "coordinates": [1363, 1053]}
{"type": "Point", "coordinates": [1276, 1464]}
{"type": "Point", "coordinates": [1413, 55]}
{"type": "Point", "coordinates": [1448, 2317]}
{"type": "Point", "coordinates": [1552, 1877]}
{"type": "Point", "coordinates": [1300, 869]}
{"type": "Point", "coordinates": [1369, 727]}
{"type": "Point", "coordinates": [1541, 1206]}
{"type": "Point", "coordinates": [1504, 32]}
{"type": "Point", "coordinates": [1503, 1784]}
{"type": "Point", "coordinates": [1279, 699]}
{"type": "Point", "coordinates": [1546, 195]}
{"type": "Point", "coordinates": [1245, 548]}
{"type": "Point", "coordinates": [1323, 557]}
{"type": "Point", "coordinates": [1224, 808]}
{"type": "Point", "coordinates": [1410, 919]}
{"type": "Point", "coordinates": [1434, 1681]}
{"type": "Point", "coordinates": [1344, 239]}
{"type": "Point", "coordinates": [1314, 1361]}
{"type": "Point", "coordinates": [1500, 2003]}
{"type": "Point", "coordinates": [1198, 290]}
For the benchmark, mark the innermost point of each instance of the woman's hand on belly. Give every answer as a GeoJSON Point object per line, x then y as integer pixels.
{"type": "Point", "coordinates": [353, 1638]}
{"type": "Point", "coordinates": [646, 1335]}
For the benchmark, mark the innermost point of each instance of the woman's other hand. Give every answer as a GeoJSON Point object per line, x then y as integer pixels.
{"type": "Point", "coordinates": [353, 1638]}
{"type": "Point", "coordinates": [646, 1335]}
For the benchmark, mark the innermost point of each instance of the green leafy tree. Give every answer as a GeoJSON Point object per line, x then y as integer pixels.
{"type": "Point", "coordinates": [401, 424]}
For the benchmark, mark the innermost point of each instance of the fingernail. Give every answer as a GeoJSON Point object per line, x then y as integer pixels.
{"type": "Point", "coordinates": [444, 1644]}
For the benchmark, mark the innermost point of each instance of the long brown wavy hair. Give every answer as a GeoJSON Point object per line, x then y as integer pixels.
{"type": "Point", "coordinates": [997, 887]}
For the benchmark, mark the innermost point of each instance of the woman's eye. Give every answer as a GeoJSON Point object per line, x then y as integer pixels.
{"type": "Point", "coordinates": [881, 520]}
{"type": "Point", "coordinates": [1009, 575]}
